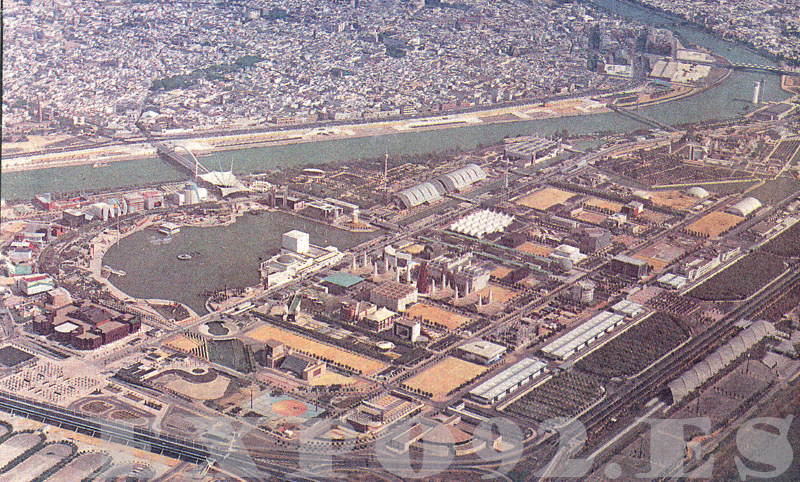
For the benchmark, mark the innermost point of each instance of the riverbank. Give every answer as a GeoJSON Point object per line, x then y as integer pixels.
{"type": "Point", "coordinates": [204, 144]}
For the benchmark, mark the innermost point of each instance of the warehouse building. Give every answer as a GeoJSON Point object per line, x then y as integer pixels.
{"type": "Point", "coordinates": [460, 178]}
{"type": "Point", "coordinates": [430, 191]}
{"type": "Point", "coordinates": [629, 266]}
{"type": "Point", "coordinates": [504, 383]}
{"type": "Point", "coordinates": [422, 193]}
{"type": "Point", "coordinates": [481, 351]}
{"type": "Point", "coordinates": [580, 337]}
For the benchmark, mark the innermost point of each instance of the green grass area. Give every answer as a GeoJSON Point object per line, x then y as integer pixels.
{"type": "Point", "coordinates": [233, 354]}
{"type": "Point", "coordinates": [796, 159]}
{"type": "Point", "coordinates": [565, 395]}
{"type": "Point", "coordinates": [742, 279]}
{"type": "Point", "coordinates": [785, 244]}
{"type": "Point", "coordinates": [773, 192]}
{"type": "Point", "coordinates": [634, 350]}
{"type": "Point", "coordinates": [213, 72]}
{"type": "Point", "coordinates": [729, 187]}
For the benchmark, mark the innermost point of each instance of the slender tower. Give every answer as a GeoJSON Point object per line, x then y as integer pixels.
{"type": "Point", "coordinates": [757, 92]}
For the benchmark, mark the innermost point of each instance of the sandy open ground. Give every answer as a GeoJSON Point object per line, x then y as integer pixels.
{"type": "Point", "coordinates": [500, 294]}
{"type": "Point", "coordinates": [535, 248]}
{"type": "Point", "coordinates": [436, 315]}
{"type": "Point", "coordinates": [545, 198]}
{"type": "Point", "coordinates": [368, 366]}
{"type": "Point", "coordinates": [603, 204]}
{"type": "Point", "coordinates": [445, 376]}
{"type": "Point", "coordinates": [715, 223]}
{"type": "Point", "coordinates": [673, 199]}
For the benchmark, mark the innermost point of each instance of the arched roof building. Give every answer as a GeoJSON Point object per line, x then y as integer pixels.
{"type": "Point", "coordinates": [421, 193]}
{"type": "Point", "coordinates": [724, 356]}
{"type": "Point", "coordinates": [460, 178]}
{"type": "Point", "coordinates": [697, 192]}
{"type": "Point", "coordinates": [745, 207]}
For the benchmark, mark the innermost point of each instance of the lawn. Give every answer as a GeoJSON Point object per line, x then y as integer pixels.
{"type": "Point", "coordinates": [785, 244]}
{"type": "Point", "coordinates": [742, 279]}
{"type": "Point", "coordinates": [773, 192]}
{"type": "Point", "coordinates": [636, 348]}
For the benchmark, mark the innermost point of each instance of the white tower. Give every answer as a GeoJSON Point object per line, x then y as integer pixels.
{"type": "Point", "coordinates": [757, 92]}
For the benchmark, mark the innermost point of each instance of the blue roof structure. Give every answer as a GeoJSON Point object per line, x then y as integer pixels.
{"type": "Point", "coordinates": [345, 280]}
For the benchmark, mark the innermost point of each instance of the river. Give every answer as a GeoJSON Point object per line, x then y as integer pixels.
{"type": "Point", "coordinates": [726, 101]}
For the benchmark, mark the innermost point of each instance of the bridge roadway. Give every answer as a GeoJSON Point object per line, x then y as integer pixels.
{"type": "Point", "coordinates": [758, 68]}
{"type": "Point", "coordinates": [641, 118]}
{"type": "Point", "coordinates": [171, 154]}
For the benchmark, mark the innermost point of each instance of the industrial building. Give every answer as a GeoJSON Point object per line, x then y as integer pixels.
{"type": "Point", "coordinates": [481, 351]}
{"type": "Point", "coordinates": [580, 337]}
{"type": "Point", "coordinates": [531, 150]}
{"type": "Point", "coordinates": [35, 284]}
{"type": "Point", "coordinates": [395, 296]}
{"type": "Point", "coordinates": [745, 207]}
{"type": "Point", "coordinates": [504, 383]}
{"type": "Point", "coordinates": [629, 266]}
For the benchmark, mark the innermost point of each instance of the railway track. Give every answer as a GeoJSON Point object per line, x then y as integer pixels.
{"type": "Point", "coordinates": [647, 386]}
